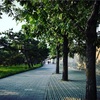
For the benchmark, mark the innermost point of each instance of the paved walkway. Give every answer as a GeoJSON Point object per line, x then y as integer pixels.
{"type": "Point", "coordinates": [44, 84]}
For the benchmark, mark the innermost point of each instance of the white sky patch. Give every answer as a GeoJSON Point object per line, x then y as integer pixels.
{"type": "Point", "coordinates": [98, 28]}
{"type": "Point", "coordinates": [7, 23]}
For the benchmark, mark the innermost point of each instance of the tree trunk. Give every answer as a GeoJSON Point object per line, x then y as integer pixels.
{"type": "Point", "coordinates": [57, 61]}
{"type": "Point", "coordinates": [28, 60]}
{"type": "Point", "coordinates": [90, 71]}
{"type": "Point", "coordinates": [65, 58]}
{"type": "Point", "coordinates": [91, 91]}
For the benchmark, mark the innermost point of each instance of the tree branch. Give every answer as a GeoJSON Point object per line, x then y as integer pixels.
{"type": "Point", "coordinates": [76, 24]}
{"type": "Point", "coordinates": [95, 12]}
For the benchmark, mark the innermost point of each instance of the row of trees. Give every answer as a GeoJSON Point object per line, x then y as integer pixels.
{"type": "Point", "coordinates": [17, 48]}
{"type": "Point", "coordinates": [67, 23]}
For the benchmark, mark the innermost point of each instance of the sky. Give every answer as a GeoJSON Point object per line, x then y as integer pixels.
{"type": "Point", "coordinates": [7, 23]}
{"type": "Point", "coordinates": [98, 29]}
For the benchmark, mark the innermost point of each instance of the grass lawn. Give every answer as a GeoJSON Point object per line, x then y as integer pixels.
{"type": "Point", "coordinates": [11, 70]}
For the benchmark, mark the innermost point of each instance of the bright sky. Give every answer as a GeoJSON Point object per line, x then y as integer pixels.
{"type": "Point", "coordinates": [98, 29]}
{"type": "Point", "coordinates": [7, 23]}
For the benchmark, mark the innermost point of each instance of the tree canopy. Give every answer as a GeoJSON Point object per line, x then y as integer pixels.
{"type": "Point", "coordinates": [17, 48]}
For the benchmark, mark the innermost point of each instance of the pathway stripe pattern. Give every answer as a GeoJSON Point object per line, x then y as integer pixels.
{"type": "Point", "coordinates": [44, 84]}
{"type": "Point", "coordinates": [29, 85]}
{"type": "Point", "coordinates": [74, 89]}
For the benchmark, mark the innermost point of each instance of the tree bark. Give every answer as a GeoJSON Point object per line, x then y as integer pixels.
{"type": "Point", "coordinates": [57, 61]}
{"type": "Point", "coordinates": [65, 58]}
{"type": "Point", "coordinates": [28, 60]}
{"type": "Point", "coordinates": [90, 71]}
{"type": "Point", "coordinates": [91, 91]}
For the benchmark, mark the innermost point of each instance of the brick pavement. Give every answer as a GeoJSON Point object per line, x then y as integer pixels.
{"type": "Point", "coordinates": [44, 84]}
{"type": "Point", "coordinates": [29, 85]}
{"type": "Point", "coordinates": [74, 89]}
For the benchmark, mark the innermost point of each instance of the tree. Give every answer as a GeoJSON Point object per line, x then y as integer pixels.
{"type": "Point", "coordinates": [17, 48]}
{"type": "Point", "coordinates": [91, 36]}
{"type": "Point", "coordinates": [91, 53]}
{"type": "Point", "coordinates": [37, 22]}
{"type": "Point", "coordinates": [10, 54]}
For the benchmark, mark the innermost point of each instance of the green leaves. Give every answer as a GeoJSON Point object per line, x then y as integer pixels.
{"type": "Point", "coordinates": [14, 47]}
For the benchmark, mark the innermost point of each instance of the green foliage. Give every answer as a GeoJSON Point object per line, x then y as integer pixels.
{"type": "Point", "coordinates": [19, 48]}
